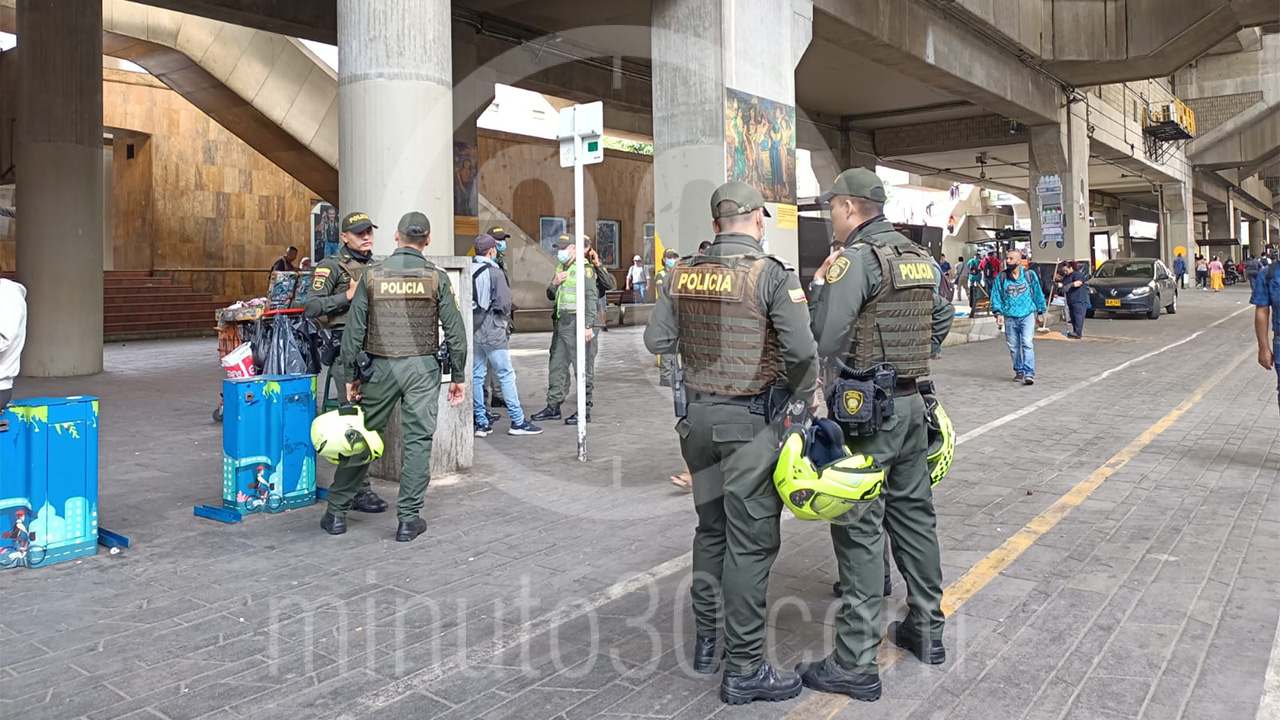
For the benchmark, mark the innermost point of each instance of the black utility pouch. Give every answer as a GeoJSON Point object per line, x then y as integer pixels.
{"type": "Point", "coordinates": [853, 404]}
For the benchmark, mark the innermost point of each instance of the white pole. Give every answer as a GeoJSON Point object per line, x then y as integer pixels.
{"type": "Point", "coordinates": [581, 325]}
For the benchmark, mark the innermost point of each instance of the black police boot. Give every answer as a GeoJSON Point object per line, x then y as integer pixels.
{"type": "Point", "coordinates": [704, 656]}
{"type": "Point", "coordinates": [904, 636]}
{"type": "Point", "coordinates": [410, 530]}
{"type": "Point", "coordinates": [827, 676]}
{"type": "Point", "coordinates": [369, 502]}
{"type": "Point", "coordinates": [764, 683]}
{"type": "Point", "coordinates": [547, 413]}
{"type": "Point", "coordinates": [573, 419]}
{"type": "Point", "coordinates": [333, 524]}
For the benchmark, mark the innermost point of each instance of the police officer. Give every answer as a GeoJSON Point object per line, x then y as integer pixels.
{"type": "Point", "coordinates": [332, 287]}
{"type": "Point", "coordinates": [667, 363]}
{"type": "Point", "coordinates": [395, 317]}
{"type": "Point", "coordinates": [739, 319]}
{"type": "Point", "coordinates": [879, 303]}
{"type": "Point", "coordinates": [563, 292]}
{"type": "Point", "coordinates": [492, 387]}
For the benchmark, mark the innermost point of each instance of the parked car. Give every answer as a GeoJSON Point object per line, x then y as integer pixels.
{"type": "Point", "coordinates": [1133, 286]}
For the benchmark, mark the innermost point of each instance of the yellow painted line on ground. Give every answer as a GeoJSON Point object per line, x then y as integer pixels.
{"type": "Point", "coordinates": [986, 570]}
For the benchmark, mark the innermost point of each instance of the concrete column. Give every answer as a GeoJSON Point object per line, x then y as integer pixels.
{"type": "Point", "coordinates": [1219, 224]}
{"type": "Point", "coordinates": [58, 159]}
{"type": "Point", "coordinates": [1062, 150]}
{"type": "Point", "coordinates": [701, 49]}
{"type": "Point", "coordinates": [1257, 237]}
{"type": "Point", "coordinates": [1177, 225]}
{"type": "Point", "coordinates": [395, 110]}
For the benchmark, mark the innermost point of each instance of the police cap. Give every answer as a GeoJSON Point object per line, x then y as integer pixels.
{"type": "Point", "coordinates": [857, 182]}
{"type": "Point", "coordinates": [414, 225]}
{"type": "Point", "coordinates": [356, 222]}
{"type": "Point", "coordinates": [748, 199]}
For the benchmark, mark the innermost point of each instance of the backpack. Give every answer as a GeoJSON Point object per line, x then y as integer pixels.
{"type": "Point", "coordinates": [475, 275]}
{"type": "Point", "coordinates": [975, 266]}
{"type": "Point", "coordinates": [990, 268]}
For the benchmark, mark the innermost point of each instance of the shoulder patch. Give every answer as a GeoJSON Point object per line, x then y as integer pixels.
{"type": "Point", "coordinates": [589, 272]}
{"type": "Point", "coordinates": [838, 269]}
{"type": "Point", "coordinates": [320, 275]}
{"type": "Point", "coordinates": [797, 295]}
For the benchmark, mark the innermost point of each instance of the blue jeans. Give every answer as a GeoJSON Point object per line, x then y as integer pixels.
{"type": "Point", "coordinates": [1019, 333]}
{"type": "Point", "coordinates": [639, 290]}
{"type": "Point", "coordinates": [1275, 352]}
{"type": "Point", "coordinates": [500, 358]}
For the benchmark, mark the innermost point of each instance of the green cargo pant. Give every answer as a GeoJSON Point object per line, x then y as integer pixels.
{"type": "Point", "coordinates": [339, 383]}
{"type": "Point", "coordinates": [905, 508]}
{"type": "Point", "coordinates": [414, 383]}
{"type": "Point", "coordinates": [667, 368]}
{"type": "Point", "coordinates": [731, 454]}
{"type": "Point", "coordinates": [564, 357]}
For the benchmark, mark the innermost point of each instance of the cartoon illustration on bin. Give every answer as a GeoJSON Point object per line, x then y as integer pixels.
{"type": "Point", "coordinates": [17, 548]}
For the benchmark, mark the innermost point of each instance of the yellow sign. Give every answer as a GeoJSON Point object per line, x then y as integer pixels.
{"type": "Point", "coordinates": [853, 400]}
{"type": "Point", "coordinates": [787, 216]}
{"type": "Point", "coordinates": [1180, 252]}
{"type": "Point", "coordinates": [466, 225]}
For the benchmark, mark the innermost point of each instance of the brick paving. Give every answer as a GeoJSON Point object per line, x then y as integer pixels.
{"type": "Point", "coordinates": [1154, 598]}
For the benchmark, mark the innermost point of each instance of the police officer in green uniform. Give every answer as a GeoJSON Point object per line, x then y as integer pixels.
{"type": "Point", "coordinates": [741, 323]}
{"type": "Point", "coordinates": [667, 363]}
{"type": "Point", "coordinates": [493, 388]}
{"type": "Point", "coordinates": [395, 319]}
{"type": "Point", "coordinates": [878, 303]}
{"type": "Point", "coordinates": [563, 292]}
{"type": "Point", "coordinates": [332, 287]}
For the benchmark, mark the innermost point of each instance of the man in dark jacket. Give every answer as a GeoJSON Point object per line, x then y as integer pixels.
{"type": "Point", "coordinates": [1076, 290]}
{"type": "Point", "coordinates": [491, 315]}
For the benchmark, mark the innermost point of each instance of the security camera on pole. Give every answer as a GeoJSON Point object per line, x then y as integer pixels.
{"type": "Point", "coordinates": [581, 143]}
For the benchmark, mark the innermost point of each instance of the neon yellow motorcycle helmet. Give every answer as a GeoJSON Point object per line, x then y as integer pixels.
{"type": "Point", "coordinates": [340, 437]}
{"type": "Point", "coordinates": [817, 475]}
{"type": "Point", "coordinates": [942, 440]}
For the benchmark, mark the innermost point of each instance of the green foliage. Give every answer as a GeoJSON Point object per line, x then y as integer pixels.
{"type": "Point", "coordinates": [631, 146]}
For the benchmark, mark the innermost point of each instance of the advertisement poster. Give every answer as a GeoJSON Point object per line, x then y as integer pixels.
{"type": "Point", "coordinates": [324, 231]}
{"type": "Point", "coordinates": [607, 242]}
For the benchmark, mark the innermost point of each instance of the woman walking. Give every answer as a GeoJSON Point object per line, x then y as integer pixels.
{"type": "Point", "coordinates": [1202, 273]}
{"type": "Point", "coordinates": [1215, 274]}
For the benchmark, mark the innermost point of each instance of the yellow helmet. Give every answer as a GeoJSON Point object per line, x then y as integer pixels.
{"type": "Point", "coordinates": [819, 478]}
{"type": "Point", "coordinates": [340, 437]}
{"type": "Point", "coordinates": [942, 440]}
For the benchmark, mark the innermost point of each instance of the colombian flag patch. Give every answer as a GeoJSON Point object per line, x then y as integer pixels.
{"type": "Point", "coordinates": [797, 295]}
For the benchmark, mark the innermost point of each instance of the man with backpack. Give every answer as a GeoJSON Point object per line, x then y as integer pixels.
{"type": "Point", "coordinates": [990, 268]}
{"type": "Point", "coordinates": [491, 314]}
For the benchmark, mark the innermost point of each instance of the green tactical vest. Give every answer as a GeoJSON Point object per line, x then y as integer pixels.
{"type": "Point", "coordinates": [352, 269]}
{"type": "Point", "coordinates": [726, 341]}
{"type": "Point", "coordinates": [896, 325]}
{"type": "Point", "coordinates": [403, 317]}
{"type": "Point", "coordinates": [567, 293]}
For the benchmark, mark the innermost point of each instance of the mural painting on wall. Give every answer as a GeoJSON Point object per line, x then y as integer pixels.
{"type": "Point", "coordinates": [760, 144]}
{"type": "Point", "coordinates": [466, 174]}
{"type": "Point", "coordinates": [550, 229]}
{"type": "Point", "coordinates": [650, 233]}
{"type": "Point", "coordinates": [324, 231]}
{"type": "Point", "coordinates": [607, 242]}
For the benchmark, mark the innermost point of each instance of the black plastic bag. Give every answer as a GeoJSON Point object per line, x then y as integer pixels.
{"type": "Point", "coordinates": [284, 354]}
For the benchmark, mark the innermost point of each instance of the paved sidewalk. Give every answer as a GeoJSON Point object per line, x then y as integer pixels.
{"type": "Point", "coordinates": [545, 588]}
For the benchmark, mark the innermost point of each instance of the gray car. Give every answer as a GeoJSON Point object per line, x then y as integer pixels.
{"type": "Point", "coordinates": [1132, 286]}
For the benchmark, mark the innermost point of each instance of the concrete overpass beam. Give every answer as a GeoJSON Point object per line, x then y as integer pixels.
{"type": "Point", "coordinates": [59, 170]}
{"type": "Point", "coordinates": [708, 72]}
{"type": "Point", "coordinates": [1059, 154]}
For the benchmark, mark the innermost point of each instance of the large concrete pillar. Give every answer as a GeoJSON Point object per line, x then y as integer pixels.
{"type": "Point", "coordinates": [708, 70]}
{"type": "Point", "coordinates": [1062, 151]}
{"type": "Point", "coordinates": [58, 160]}
{"type": "Point", "coordinates": [1219, 225]}
{"type": "Point", "coordinates": [1177, 225]}
{"type": "Point", "coordinates": [1257, 237]}
{"type": "Point", "coordinates": [395, 114]}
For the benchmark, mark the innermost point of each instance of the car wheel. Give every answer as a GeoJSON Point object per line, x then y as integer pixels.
{"type": "Point", "coordinates": [1154, 313]}
{"type": "Point", "coordinates": [1089, 312]}
{"type": "Point", "coordinates": [1172, 308]}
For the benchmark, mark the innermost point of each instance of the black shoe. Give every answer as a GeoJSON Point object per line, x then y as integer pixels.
{"type": "Point", "coordinates": [705, 660]}
{"type": "Point", "coordinates": [1019, 377]}
{"type": "Point", "coordinates": [573, 419]}
{"type": "Point", "coordinates": [547, 413]}
{"type": "Point", "coordinates": [764, 683]}
{"type": "Point", "coordinates": [1029, 380]}
{"type": "Point", "coordinates": [904, 636]}
{"type": "Point", "coordinates": [369, 502]}
{"type": "Point", "coordinates": [497, 402]}
{"type": "Point", "coordinates": [333, 524]}
{"type": "Point", "coordinates": [827, 676]}
{"type": "Point", "coordinates": [493, 417]}
{"type": "Point", "coordinates": [410, 530]}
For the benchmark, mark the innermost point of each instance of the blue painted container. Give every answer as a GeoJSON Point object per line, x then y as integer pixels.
{"type": "Point", "coordinates": [268, 464]}
{"type": "Point", "coordinates": [48, 481]}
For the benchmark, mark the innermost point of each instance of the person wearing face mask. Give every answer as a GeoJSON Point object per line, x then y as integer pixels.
{"type": "Point", "coordinates": [491, 313]}
{"type": "Point", "coordinates": [333, 285]}
{"type": "Point", "coordinates": [563, 291]}
{"type": "Point", "coordinates": [1017, 301]}
{"type": "Point", "coordinates": [738, 318]}
{"type": "Point", "coordinates": [878, 303]}
{"type": "Point", "coordinates": [492, 386]}
{"type": "Point", "coordinates": [667, 363]}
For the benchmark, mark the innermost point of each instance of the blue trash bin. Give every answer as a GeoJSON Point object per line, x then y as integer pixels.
{"type": "Point", "coordinates": [48, 481]}
{"type": "Point", "coordinates": [268, 464]}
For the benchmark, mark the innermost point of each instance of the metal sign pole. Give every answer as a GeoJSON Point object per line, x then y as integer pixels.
{"type": "Point", "coordinates": [581, 325]}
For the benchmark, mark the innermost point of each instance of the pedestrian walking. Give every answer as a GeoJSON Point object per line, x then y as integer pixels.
{"type": "Point", "coordinates": [1017, 301]}
{"type": "Point", "coordinates": [493, 386]}
{"type": "Point", "coordinates": [1216, 271]}
{"type": "Point", "coordinates": [638, 279]}
{"type": "Point", "coordinates": [1075, 287]}
{"type": "Point", "coordinates": [333, 285]}
{"type": "Point", "coordinates": [731, 292]}
{"type": "Point", "coordinates": [491, 316]}
{"type": "Point", "coordinates": [991, 267]}
{"type": "Point", "coordinates": [879, 305]}
{"type": "Point", "coordinates": [393, 329]}
{"type": "Point", "coordinates": [1202, 272]}
{"type": "Point", "coordinates": [563, 292]}
{"type": "Point", "coordinates": [1180, 271]}
{"type": "Point", "coordinates": [13, 335]}
{"type": "Point", "coordinates": [961, 273]}
{"type": "Point", "coordinates": [1266, 300]}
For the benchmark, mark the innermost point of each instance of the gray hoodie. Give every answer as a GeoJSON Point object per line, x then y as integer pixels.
{"type": "Point", "coordinates": [13, 329]}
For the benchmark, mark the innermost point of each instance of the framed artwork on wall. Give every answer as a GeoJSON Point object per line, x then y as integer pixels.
{"type": "Point", "coordinates": [550, 229]}
{"type": "Point", "coordinates": [649, 234]}
{"type": "Point", "coordinates": [607, 242]}
{"type": "Point", "coordinates": [324, 231]}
